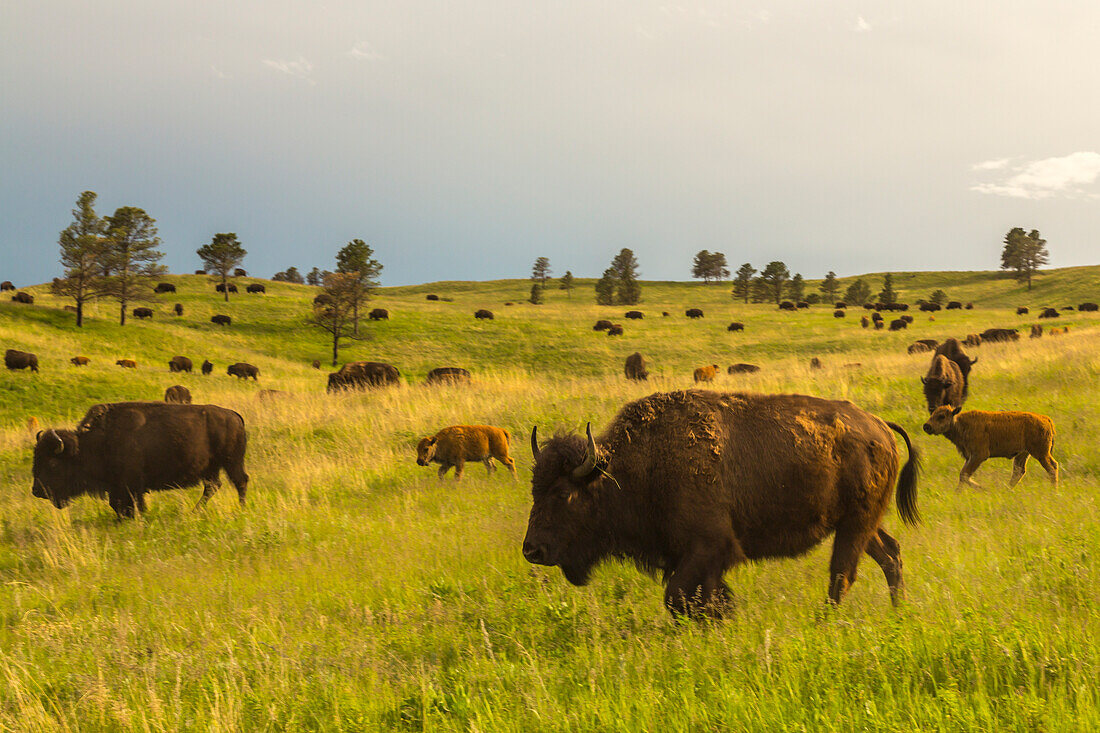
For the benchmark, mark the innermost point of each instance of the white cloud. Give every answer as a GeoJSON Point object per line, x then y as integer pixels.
{"type": "Point", "coordinates": [990, 165]}
{"type": "Point", "coordinates": [300, 69]}
{"type": "Point", "coordinates": [362, 50]}
{"type": "Point", "coordinates": [1047, 178]}
{"type": "Point", "coordinates": [862, 26]}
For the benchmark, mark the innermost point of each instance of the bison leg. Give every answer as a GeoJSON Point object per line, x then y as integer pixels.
{"type": "Point", "coordinates": [849, 544]}
{"type": "Point", "coordinates": [695, 589]}
{"type": "Point", "coordinates": [489, 466]}
{"type": "Point", "coordinates": [1051, 466]}
{"type": "Point", "coordinates": [443, 470]}
{"type": "Point", "coordinates": [123, 503]}
{"type": "Point", "coordinates": [968, 470]}
{"type": "Point", "coordinates": [459, 465]}
{"type": "Point", "coordinates": [1019, 468]}
{"type": "Point", "coordinates": [886, 551]}
{"type": "Point", "coordinates": [210, 487]}
{"type": "Point", "coordinates": [239, 477]}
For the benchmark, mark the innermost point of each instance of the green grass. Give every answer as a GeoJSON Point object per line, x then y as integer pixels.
{"type": "Point", "coordinates": [357, 592]}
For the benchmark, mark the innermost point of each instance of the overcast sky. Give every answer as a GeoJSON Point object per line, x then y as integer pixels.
{"type": "Point", "coordinates": [464, 139]}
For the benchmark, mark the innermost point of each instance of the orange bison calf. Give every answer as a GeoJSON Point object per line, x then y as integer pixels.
{"type": "Point", "coordinates": [706, 374]}
{"type": "Point", "coordinates": [980, 435]}
{"type": "Point", "coordinates": [457, 444]}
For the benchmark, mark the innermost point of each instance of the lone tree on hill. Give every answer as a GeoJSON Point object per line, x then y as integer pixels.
{"type": "Point", "coordinates": [888, 295]}
{"type": "Point", "coordinates": [774, 275]}
{"type": "Point", "coordinates": [333, 308]}
{"type": "Point", "coordinates": [1024, 254]}
{"type": "Point", "coordinates": [858, 292]}
{"type": "Point", "coordinates": [796, 288]}
{"type": "Point", "coordinates": [625, 267]}
{"type": "Point", "coordinates": [742, 284]}
{"type": "Point", "coordinates": [709, 266]}
{"type": "Point", "coordinates": [829, 286]}
{"type": "Point", "coordinates": [82, 248]}
{"type": "Point", "coordinates": [221, 256]}
{"type": "Point", "coordinates": [566, 283]}
{"type": "Point", "coordinates": [130, 256]}
{"type": "Point", "coordinates": [541, 270]}
{"type": "Point", "coordinates": [357, 258]}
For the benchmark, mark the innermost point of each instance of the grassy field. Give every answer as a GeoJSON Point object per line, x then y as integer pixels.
{"type": "Point", "coordinates": [355, 591]}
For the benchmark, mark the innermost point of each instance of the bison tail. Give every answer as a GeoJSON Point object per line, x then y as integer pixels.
{"type": "Point", "coordinates": [907, 481]}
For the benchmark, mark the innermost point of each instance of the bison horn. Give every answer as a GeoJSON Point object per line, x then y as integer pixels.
{"type": "Point", "coordinates": [974, 361]}
{"type": "Point", "coordinates": [535, 442]}
{"type": "Point", "coordinates": [589, 457]}
{"type": "Point", "coordinates": [60, 443]}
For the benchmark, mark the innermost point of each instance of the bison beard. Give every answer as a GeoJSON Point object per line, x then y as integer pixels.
{"type": "Point", "coordinates": [677, 485]}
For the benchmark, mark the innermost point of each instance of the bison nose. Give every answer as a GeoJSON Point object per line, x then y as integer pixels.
{"type": "Point", "coordinates": [928, 428]}
{"type": "Point", "coordinates": [535, 554]}
{"type": "Point", "coordinates": [421, 462]}
{"type": "Point", "coordinates": [38, 491]}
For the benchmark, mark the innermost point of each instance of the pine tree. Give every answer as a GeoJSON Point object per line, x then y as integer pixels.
{"type": "Point", "coordinates": [829, 286]}
{"type": "Point", "coordinates": [858, 292]}
{"type": "Point", "coordinates": [315, 277]}
{"type": "Point", "coordinates": [1024, 254]}
{"type": "Point", "coordinates": [566, 283]}
{"type": "Point", "coordinates": [625, 269]}
{"type": "Point", "coordinates": [332, 309]}
{"type": "Point", "coordinates": [742, 284]}
{"type": "Point", "coordinates": [536, 294]}
{"type": "Point", "coordinates": [130, 256]}
{"type": "Point", "coordinates": [796, 288]}
{"type": "Point", "coordinates": [605, 288]}
{"type": "Point", "coordinates": [357, 258]}
{"type": "Point", "coordinates": [888, 296]}
{"type": "Point", "coordinates": [82, 248]}
{"type": "Point", "coordinates": [775, 275]}
{"type": "Point", "coordinates": [221, 256]}
{"type": "Point", "coordinates": [541, 270]}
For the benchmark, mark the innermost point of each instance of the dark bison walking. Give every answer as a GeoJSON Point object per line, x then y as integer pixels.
{"type": "Point", "coordinates": [164, 288]}
{"type": "Point", "coordinates": [179, 394]}
{"type": "Point", "coordinates": [127, 449]}
{"type": "Point", "coordinates": [243, 370]}
{"type": "Point", "coordinates": [363, 374]}
{"type": "Point", "coordinates": [143, 312]}
{"type": "Point", "coordinates": [943, 385]}
{"type": "Point", "coordinates": [222, 288]}
{"type": "Point", "coordinates": [955, 305]}
{"type": "Point", "coordinates": [694, 483]}
{"type": "Point", "coordinates": [221, 320]}
{"type": "Point", "coordinates": [693, 313]}
{"type": "Point", "coordinates": [602, 326]}
{"type": "Point", "coordinates": [1088, 307]}
{"type": "Point", "coordinates": [179, 364]}
{"type": "Point", "coordinates": [1050, 313]}
{"type": "Point", "coordinates": [635, 315]}
{"type": "Point", "coordinates": [742, 368]}
{"type": "Point", "coordinates": [207, 367]}
{"type": "Point", "coordinates": [448, 375]}
{"type": "Point", "coordinates": [736, 326]}
{"type": "Point", "coordinates": [635, 367]}
{"type": "Point", "coordinates": [178, 308]}
{"type": "Point", "coordinates": [999, 334]}
{"type": "Point", "coordinates": [25, 298]}
{"type": "Point", "coordinates": [255, 288]}
{"type": "Point", "coordinates": [14, 359]}
{"type": "Point", "coordinates": [1022, 311]}
{"type": "Point", "coordinates": [379, 314]}
{"type": "Point", "coordinates": [615, 330]}
{"type": "Point", "coordinates": [483, 315]}
{"type": "Point", "coordinates": [897, 324]}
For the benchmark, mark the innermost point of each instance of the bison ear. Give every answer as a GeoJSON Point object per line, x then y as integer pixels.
{"type": "Point", "coordinates": [924, 380]}
{"type": "Point", "coordinates": [431, 440]}
{"type": "Point", "coordinates": [957, 410]}
{"type": "Point", "coordinates": [38, 437]}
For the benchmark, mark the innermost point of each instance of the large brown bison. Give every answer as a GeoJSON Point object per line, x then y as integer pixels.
{"type": "Point", "coordinates": [80, 361]}
{"type": "Point", "coordinates": [179, 364]}
{"type": "Point", "coordinates": [379, 314]}
{"type": "Point", "coordinates": [143, 312]}
{"type": "Point", "coordinates": [179, 394]}
{"type": "Point", "coordinates": [127, 449]}
{"type": "Point", "coordinates": [943, 385]}
{"type": "Point", "coordinates": [955, 305]}
{"type": "Point", "coordinates": [898, 324]}
{"type": "Point", "coordinates": [736, 326]}
{"type": "Point", "coordinates": [786, 305]}
{"type": "Point", "coordinates": [448, 375]}
{"type": "Point", "coordinates": [126, 363]}
{"type": "Point", "coordinates": [864, 321]}
{"type": "Point", "coordinates": [1002, 335]}
{"type": "Point", "coordinates": [207, 367]}
{"type": "Point", "coordinates": [635, 367]}
{"type": "Point", "coordinates": [1088, 307]}
{"type": "Point", "coordinates": [839, 313]}
{"type": "Point", "coordinates": [453, 446]}
{"type": "Point", "coordinates": [693, 313]}
{"type": "Point", "coordinates": [483, 315]}
{"type": "Point", "coordinates": [635, 315]}
{"type": "Point", "coordinates": [362, 375]}
{"type": "Point", "coordinates": [255, 288]}
{"type": "Point", "coordinates": [221, 320]}
{"type": "Point", "coordinates": [1050, 313]}
{"type": "Point", "coordinates": [14, 359]}
{"type": "Point", "coordinates": [243, 370]}
{"type": "Point", "coordinates": [706, 373]}
{"type": "Point", "coordinates": [164, 288]}
{"type": "Point", "coordinates": [979, 435]}
{"type": "Point", "coordinates": [952, 349]}
{"type": "Point", "coordinates": [694, 483]}
{"type": "Point", "coordinates": [24, 298]}
{"type": "Point", "coordinates": [6, 286]}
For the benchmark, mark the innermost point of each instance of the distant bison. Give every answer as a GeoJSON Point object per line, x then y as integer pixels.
{"type": "Point", "coordinates": [706, 373]}
{"type": "Point", "coordinates": [1022, 311]}
{"type": "Point", "coordinates": [930, 343]}
{"type": "Point", "coordinates": [635, 367]}
{"type": "Point", "coordinates": [453, 446]}
{"type": "Point", "coordinates": [178, 394]}
{"type": "Point", "coordinates": [969, 306]}
{"type": "Point", "coordinates": [918, 348]}
{"type": "Point", "coordinates": [207, 367]}
{"type": "Point", "coordinates": [164, 288]}
{"type": "Point", "coordinates": [316, 364]}
{"type": "Point", "coordinates": [694, 483]}
{"type": "Point", "coordinates": [1036, 331]}
{"type": "Point", "coordinates": [802, 304]}
{"type": "Point", "coordinates": [179, 364]}
{"type": "Point", "coordinates": [482, 314]}
{"type": "Point", "coordinates": [999, 335]}
{"type": "Point", "coordinates": [972, 339]}
{"type": "Point", "coordinates": [635, 315]}
{"type": "Point", "coordinates": [200, 272]}
{"type": "Point", "coordinates": [1050, 313]}
{"type": "Point", "coordinates": [693, 313]}
{"type": "Point", "coordinates": [897, 324]}
{"type": "Point", "coordinates": [786, 305]}
{"type": "Point", "coordinates": [25, 298]}
{"type": "Point", "coordinates": [907, 319]}
{"type": "Point", "coordinates": [840, 304]}
{"type": "Point", "coordinates": [379, 314]}
{"type": "Point", "coordinates": [930, 307]}
{"type": "Point", "coordinates": [221, 320]}
{"type": "Point", "coordinates": [14, 359]}
{"type": "Point", "coordinates": [1088, 307]}
{"type": "Point", "coordinates": [80, 361]}
{"type": "Point", "coordinates": [222, 287]}
{"type": "Point", "coordinates": [615, 330]}
{"type": "Point", "coordinates": [363, 374]}
{"type": "Point", "coordinates": [601, 325]}
{"type": "Point", "coordinates": [255, 288]}
{"type": "Point", "coordinates": [876, 316]}
{"type": "Point", "coordinates": [864, 321]}
{"type": "Point", "coordinates": [736, 326]}
{"type": "Point", "coordinates": [267, 395]}
{"type": "Point", "coordinates": [127, 449]}
{"type": "Point", "coordinates": [178, 309]}
{"type": "Point", "coordinates": [742, 369]}
{"type": "Point", "coordinates": [839, 313]}
{"type": "Point", "coordinates": [143, 312]}
{"type": "Point", "coordinates": [943, 385]}
{"type": "Point", "coordinates": [243, 370]}
{"type": "Point", "coordinates": [126, 363]}
{"type": "Point", "coordinates": [979, 435]}
{"type": "Point", "coordinates": [432, 296]}
{"type": "Point", "coordinates": [448, 375]}
{"type": "Point", "coordinates": [955, 305]}
{"type": "Point", "coordinates": [879, 324]}
{"type": "Point", "coordinates": [239, 272]}
{"type": "Point", "coordinates": [815, 363]}
{"type": "Point", "coordinates": [6, 286]}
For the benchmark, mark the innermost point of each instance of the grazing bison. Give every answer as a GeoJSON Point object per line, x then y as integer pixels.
{"type": "Point", "coordinates": [14, 359]}
{"type": "Point", "coordinates": [970, 306]}
{"type": "Point", "coordinates": [601, 325]}
{"type": "Point", "coordinates": [879, 324]}
{"type": "Point", "coordinates": [864, 321]}
{"type": "Point", "coordinates": [266, 395]}
{"type": "Point", "coordinates": [839, 313]}
{"type": "Point", "coordinates": [907, 319]}
{"type": "Point", "coordinates": [635, 315]}
{"type": "Point", "coordinates": [178, 309]}
{"type": "Point", "coordinates": [1022, 311]}
{"type": "Point", "coordinates": [179, 394]}
{"type": "Point", "coordinates": [221, 287]}
{"type": "Point", "coordinates": [24, 298]}
{"type": "Point", "coordinates": [207, 367]}
{"type": "Point", "coordinates": [802, 304]}
{"type": "Point", "coordinates": [693, 313]}
{"type": "Point", "coordinates": [179, 364]}
{"type": "Point", "coordinates": [918, 348]}
{"type": "Point", "coordinates": [240, 272]}
{"type": "Point", "coordinates": [379, 314]}
{"type": "Point", "coordinates": [840, 304]}
{"type": "Point", "coordinates": [665, 314]}
{"type": "Point", "coordinates": [484, 315]}
{"type": "Point", "coordinates": [736, 326]}
{"type": "Point", "coordinates": [448, 375]}
{"type": "Point", "coordinates": [143, 312]}
{"type": "Point", "coordinates": [80, 361]}
{"type": "Point", "coordinates": [815, 363]}
{"type": "Point", "coordinates": [897, 324]}
{"type": "Point", "coordinates": [243, 370]}
{"type": "Point", "coordinates": [694, 483]}
{"type": "Point", "coordinates": [615, 330]}
{"type": "Point", "coordinates": [200, 272]}
{"type": "Point", "coordinates": [1036, 331]}
{"type": "Point", "coordinates": [876, 316]}
{"type": "Point", "coordinates": [431, 296]}
{"type": "Point", "coordinates": [363, 374]}
{"type": "Point", "coordinates": [999, 335]}
{"type": "Point", "coordinates": [164, 288]}
{"type": "Point", "coordinates": [126, 363]}
{"type": "Point", "coordinates": [786, 305]}
{"type": "Point", "coordinates": [972, 339]}
{"type": "Point", "coordinates": [316, 364]}
{"type": "Point", "coordinates": [6, 286]}
{"type": "Point", "coordinates": [955, 305]}
{"type": "Point", "coordinates": [706, 373]}
{"type": "Point", "coordinates": [255, 288]}
{"type": "Point", "coordinates": [221, 320]}
{"type": "Point", "coordinates": [979, 435]}
{"type": "Point", "coordinates": [929, 307]}
{"type": "Point", "coordinates": [742, 368]}
{"type": "Point", "coordinates": [127, 449]}
{"type": "Point", "coordinates": [943, 385]}
{"type": "Point", "coordinates": [1050, 313]}
{"type": "Point", "coordinates": [635, 367]}
{"type": "Point", "coordinates": [1088, 307]}
{"type": "Point", "coordinates": [453, 446]}
{"type": "Point", "coordinates": [930, 343]}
